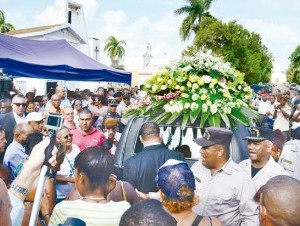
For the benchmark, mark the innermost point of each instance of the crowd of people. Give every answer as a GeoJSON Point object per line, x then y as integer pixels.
{"type": "Point", "coordinates": [158, 187]}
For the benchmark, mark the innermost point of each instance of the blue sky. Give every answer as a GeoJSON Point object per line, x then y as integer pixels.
{"type": "Point", "coordinates": [139, 22]}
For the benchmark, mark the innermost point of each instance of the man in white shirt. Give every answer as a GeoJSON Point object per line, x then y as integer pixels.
{"type": "Point", "coordinates": [263, 108]}
{"type": "Point", "coordinates": [260, 165]}
{"type": "Point", "coordinates": [226, 191]}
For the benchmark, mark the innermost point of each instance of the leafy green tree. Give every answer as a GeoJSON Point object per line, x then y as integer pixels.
{"type": "Point", "coordinates": [114, 49]}
{"type": "Point", "coordinates": [5, 27]}
{"type": "Point", "coordinates": [293, 72]}
{"type": "Point", "coordinates": [237, 45]}
{"type": "Point", "coordinates": [195, 10]}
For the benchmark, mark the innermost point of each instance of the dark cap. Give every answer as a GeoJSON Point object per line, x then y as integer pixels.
{"type": "Point", "coordinates": [172, 175]}
{"type": "Point", "coordinates": [112, 102]}
{"type": "Point", "coordinates": [126, 96]}
{"type": "Point", "coordinates": [259, 134]}
{"type": "Point", "coordinates": [118, 94]}
{"type": "Point", "coordinates": [214, 135]}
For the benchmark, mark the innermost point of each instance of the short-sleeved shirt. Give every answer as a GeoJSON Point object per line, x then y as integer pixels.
{"type": "Point", "coordinates": [290, 158]}
{"type": "Point", "coordinates": [94, 138]}
{"type": "Point", "coordinates": [228, 194]}
{"type": "Point", "coordinates": [14, 155]}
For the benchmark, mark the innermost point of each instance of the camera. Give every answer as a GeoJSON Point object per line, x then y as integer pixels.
{"type": "Point", "coordinates": [54, 122]}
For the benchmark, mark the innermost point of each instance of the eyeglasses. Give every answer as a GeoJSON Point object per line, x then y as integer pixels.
{"type": "Point", "coordinates": [78, 104]}
{"type": "Point", "coordinates": [20, 104]}
{"type": "Point", "coordinates": [113, 106]}
{"type": "Point", "coordinates": [111, 127]}
{"type": "Point", "coordinates": [68, 136]}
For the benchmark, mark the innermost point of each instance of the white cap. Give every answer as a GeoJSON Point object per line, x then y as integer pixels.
{"type": "Point", "coordinates": [34, 116]}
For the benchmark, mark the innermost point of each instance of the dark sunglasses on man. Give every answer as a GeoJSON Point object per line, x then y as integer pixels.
{"type": "Point", "coordinates": [20, 104]}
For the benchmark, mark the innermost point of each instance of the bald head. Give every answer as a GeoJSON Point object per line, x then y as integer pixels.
{"type": "Point", "coordinates": [280, 201]}
{"type": "Point", "coordinates": [61, 91]}
{"type": "Point", "coordinates": [22, 131]}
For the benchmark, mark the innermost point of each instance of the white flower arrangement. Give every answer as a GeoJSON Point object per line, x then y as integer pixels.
{"type": "Point", "coordinates": [203, 88]}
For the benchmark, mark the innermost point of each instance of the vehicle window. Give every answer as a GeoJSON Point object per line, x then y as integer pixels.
{"type": "Point", "coordinates": [174, 137]}
{"type": "Point", "coordinates": [138, 145]}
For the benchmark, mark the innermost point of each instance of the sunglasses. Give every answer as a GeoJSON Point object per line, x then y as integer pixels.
{"type": "Point", "coordinates": [20, 104]}
{"type": "Point", "coordinates": [68, 136]}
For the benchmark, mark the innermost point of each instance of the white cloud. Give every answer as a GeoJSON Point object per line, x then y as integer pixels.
{"type": "Point", "coordinates": [114, 18]}
{"type": "Point", "coordinates": [281, 39]}
{"type": "Point", "coordinates": [162, 33]}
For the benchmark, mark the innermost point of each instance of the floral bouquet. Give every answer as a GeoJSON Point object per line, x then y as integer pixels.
{"type": "Point", "coordinates": [201, 88]}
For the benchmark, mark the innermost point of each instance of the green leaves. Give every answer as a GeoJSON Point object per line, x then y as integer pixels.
{"type": "Point", "coordinates": [162, 117]}
{"type": "Point", "coordinates": [214, 120]}
{"type": "Point", "coordinates": [185, 120]}
{"type": "Point", "coordinates": [238, 116]}
{"type": "Point", "coordinates": [203, 119]}
{"type": "Point", "coordinates": [194, 114]}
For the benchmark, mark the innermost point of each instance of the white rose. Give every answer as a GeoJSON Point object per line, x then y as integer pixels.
{"type": "Point", "coordinates": [206, 79]}
{"type": "Point", "coordinates": [227, 110]}
{"type": "Point", "coordinates": [154, 88]}
{"type": "Point", "coordinates": [187, 105]}
{"type": "Point", "coordinates": [194, 106]}
{"type": "Point", "coordinates": [195, 97]}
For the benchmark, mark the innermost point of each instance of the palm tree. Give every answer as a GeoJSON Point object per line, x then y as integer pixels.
{"type": "Point", "coordinates": [115, 50]}
{"type": "Point", "coordinates": [5, 27]}
{"type": "Point", "coordinates": [196, 10]}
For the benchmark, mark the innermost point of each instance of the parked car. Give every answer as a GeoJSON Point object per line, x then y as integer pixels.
{"type": "Point", "coordinates": [173, 136]}
{"type": "Point", "coordinates": [293, 86]}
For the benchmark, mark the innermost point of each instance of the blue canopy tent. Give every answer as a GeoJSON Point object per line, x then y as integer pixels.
{"type": "Point", "coordinates": [55, 59]}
